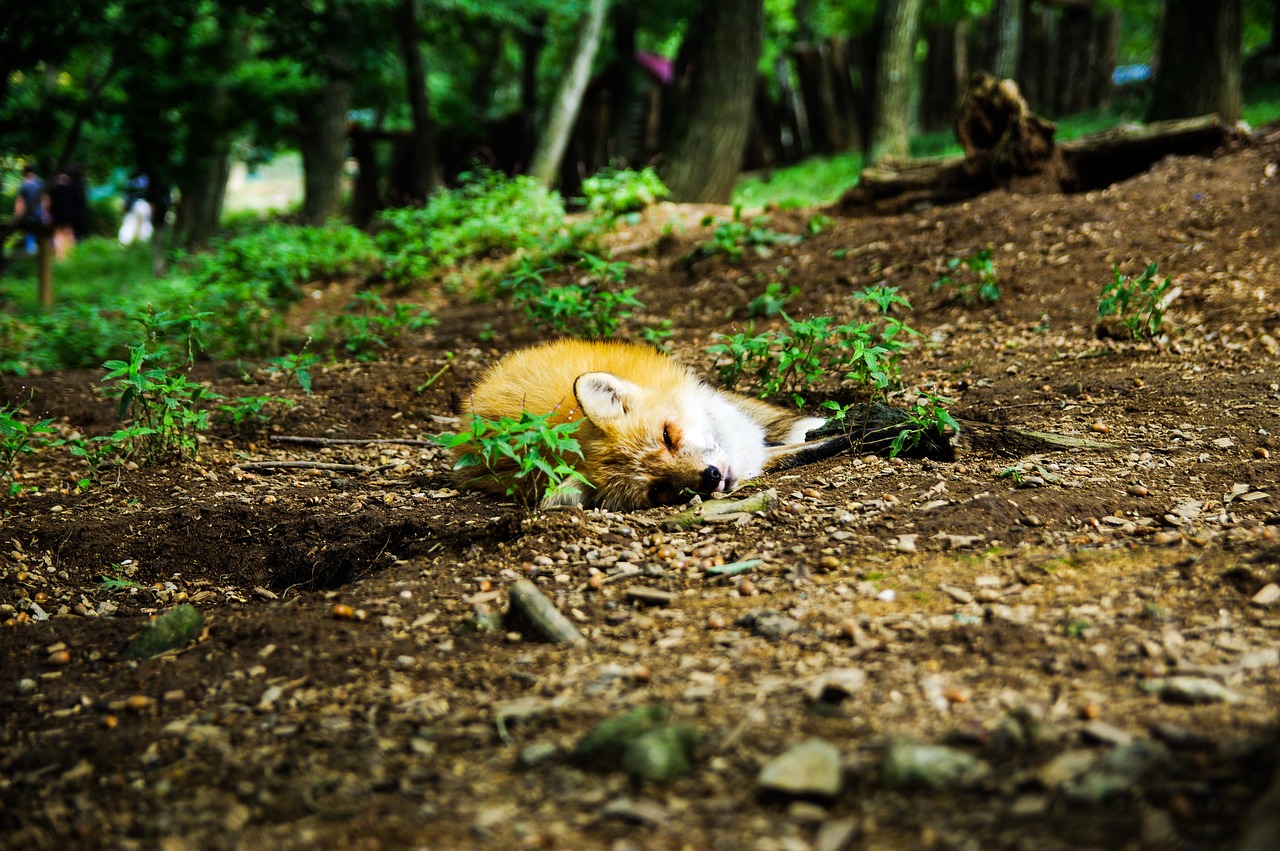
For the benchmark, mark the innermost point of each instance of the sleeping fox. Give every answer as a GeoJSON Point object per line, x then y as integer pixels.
{"type": "Point", "coordinates": [652, 432]}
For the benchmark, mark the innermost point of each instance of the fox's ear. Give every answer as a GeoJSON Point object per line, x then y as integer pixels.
{"type": "Point", "coordinates": [604, 397]}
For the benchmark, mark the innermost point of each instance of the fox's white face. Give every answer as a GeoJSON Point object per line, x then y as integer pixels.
{"type": "Point", "coordinates": [660, 446]}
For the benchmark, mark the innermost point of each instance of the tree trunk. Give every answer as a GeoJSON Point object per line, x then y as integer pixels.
{"type": "Point", "coordinates": [1200, 47]}
{"type": "Point", "coordinates": [891, 126]}
{"type": "Point", "coordinates": [945, 75]}
{"type": "Point", "coordinates": [709, 133]}
{"type": "Point", "coordinates": [626, 107]}
{"type": "Point", "coordinates": [1008, 15]}
{"type": "Point", "coordinates": [423, 166]}
{"type": "Point", "coordinates": [324, 120]}
{"type": "Point", "coordinates": [564, 110]}
{"type": "Point", "coordinates": [203, 195]}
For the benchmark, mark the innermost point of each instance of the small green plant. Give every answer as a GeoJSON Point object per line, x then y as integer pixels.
{"type": "Point", "coordinates": [588, 309]}
{"type": "Point", "coordinates": [369, 323]}
{"type": "Point", "coordinates": [1137, 302]}
{"type": "Point", "coordinates": [295, 366]}
{"type": "Point", "coordinates": [161, 402]}
{"type": "Point", "coordinates": [927, 415]}
{"type": "Point", "coordinates": [788, 361]}
{"type": "Point", "coordinates": [733, 237]}
{"type": "Point", "coordinates": [618, 192]}
{"type": "Point", "coordinates": [818, 223]}
{"type": "Point", "coordinates": [973, 277]}
{"type": "Point", "coordinates": [772, 300]}
{"type": "Point", "coordinates": [19, 438]}
{"type": "Point", "coordinates": [528, 452]}
{"type": "Point", "coordinates": [247, 413]}
{"type": "Point", "coordinates": [117, 582]}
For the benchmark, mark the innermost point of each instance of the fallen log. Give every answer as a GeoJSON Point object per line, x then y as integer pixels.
{"type": "Point", "coordinates": [1009, 147]}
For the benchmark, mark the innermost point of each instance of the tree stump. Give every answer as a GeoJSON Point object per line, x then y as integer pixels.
{"type": "Point", "coordinates": [1000, 134]}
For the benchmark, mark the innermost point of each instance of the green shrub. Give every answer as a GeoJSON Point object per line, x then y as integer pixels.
{"type": "Point", "coordinates": [620, 191]}
{"type": "Point", "coordinates": [488, 214]}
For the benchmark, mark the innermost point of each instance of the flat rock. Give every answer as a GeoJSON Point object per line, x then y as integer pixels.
{"type": "Point", "coordinates": [811, 769]}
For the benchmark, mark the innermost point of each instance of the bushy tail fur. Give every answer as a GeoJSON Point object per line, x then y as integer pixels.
{"type": "Point", "coordinates": [865, 428]}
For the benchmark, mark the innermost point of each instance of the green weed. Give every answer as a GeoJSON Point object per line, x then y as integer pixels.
{"type": "Point", "coordinates": [160, 401]}
{"type": "Point", "coordinates": [617, 192]}
{"type": "Point", "coordinates": [1137, 302]}
{"type": "Point", "coordinates": [488, 213]}
{"type": "Point", "coordinates": [588, 309]}
{"type": "Point", "coordinates": [369, 323]}
{"type": "Point", "coordinates": [788, 361]}
{"type": "Point", "coordinates": [973, 277]}
{"type": "Point", "coordinates": [528, 452]}
{"type": "Point", "coordinates": [731, 238]}
{"type": "Point", "coordinates": [926, 416]}
{"type": "Point", "coordinates": [246, 413]}
{"type": "Point", "coordinates": [772, 300]}
{"type": "Point", "coordinates": [295, 366]}
{"type": "Point", "coordinates": [19, 438]}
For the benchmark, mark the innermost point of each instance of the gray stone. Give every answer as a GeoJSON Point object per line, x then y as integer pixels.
{"type": "Point", "coordinates": [811, 769]}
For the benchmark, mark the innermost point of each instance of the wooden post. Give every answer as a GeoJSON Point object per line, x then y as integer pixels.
{"type": "Point", "coordinates": [44, 265]}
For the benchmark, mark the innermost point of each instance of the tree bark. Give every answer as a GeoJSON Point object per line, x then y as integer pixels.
{"type": "Point", "coordinates": [709, 133]}
{"type": "Point", "coordinates": [1008, 14]}
{"type": "Point", "coordinates": [891, 125]}
{"type": "Point", "coordinates": [1199, 71]}
{"type": "Point", "coordinates": [423, 167]}
{"type": "Point", "coordinates": [564, 109]}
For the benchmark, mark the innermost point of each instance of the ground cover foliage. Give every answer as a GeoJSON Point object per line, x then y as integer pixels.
{"type": "Point", "coordinates": [1028, 608]}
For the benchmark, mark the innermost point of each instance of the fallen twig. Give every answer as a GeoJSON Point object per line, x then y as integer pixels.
{"type": "Point", "coordinates": [310, 465]}
{"type": "Point", "coordinates": [349, 441]}
{"type": "Point", "coordinates": [715, 510]}
{"type": "Point", "coordinates": [529, 605]}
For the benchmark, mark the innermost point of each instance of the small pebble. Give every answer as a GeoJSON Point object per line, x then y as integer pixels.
{"type": "Point", "coordinates": [1099, 427]}
{"type": "Point", "coordinates": [1269, 595]}
{"type": "Point", "coordinates": [343, 612]}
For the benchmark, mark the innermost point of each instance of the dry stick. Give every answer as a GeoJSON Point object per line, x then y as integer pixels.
{"type": "Point", "coordinates": [335, 441]}
{"type": "Point", "coordinates": [531, 605]}
{"type": "Point", "coordinates": [309, 465]}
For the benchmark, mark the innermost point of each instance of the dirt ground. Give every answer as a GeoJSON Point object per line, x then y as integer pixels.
{"type": "Point", "coordinates": [1093, 632]}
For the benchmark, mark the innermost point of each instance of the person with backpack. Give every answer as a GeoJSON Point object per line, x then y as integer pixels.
{"type": "Point", "coordinates": [31, 209]}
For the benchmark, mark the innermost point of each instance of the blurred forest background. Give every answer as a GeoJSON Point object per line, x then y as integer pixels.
{"type": "Point", "coordinates": [384, 101]}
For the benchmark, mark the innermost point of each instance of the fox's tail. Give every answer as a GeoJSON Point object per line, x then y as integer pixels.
{"type": "Point", "coordinates": [870, 428]}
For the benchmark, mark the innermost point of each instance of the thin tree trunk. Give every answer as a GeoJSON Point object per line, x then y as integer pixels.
{"type": "Point", "coordinates": [423, 172]}
{"type": "Point", "coordinates": [1200, 47]}
{"type": "Point", "coordinates": [322, 145]}
{"type": "Point", "coordinates": [891, 125]}
{"type": "Point", "coordinates": [714, 118]}
{"type": "Point", "coordinates": [564, 110]}
{"type": "Point", "coordinates": [1008, 14]}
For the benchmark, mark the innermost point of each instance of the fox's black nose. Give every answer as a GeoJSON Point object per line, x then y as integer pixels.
{"type": "Point", "coordinates": [711, 479]}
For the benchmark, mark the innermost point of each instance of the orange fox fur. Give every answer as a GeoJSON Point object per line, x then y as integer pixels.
{"type": "Point", "coordinates": [653, 433]}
